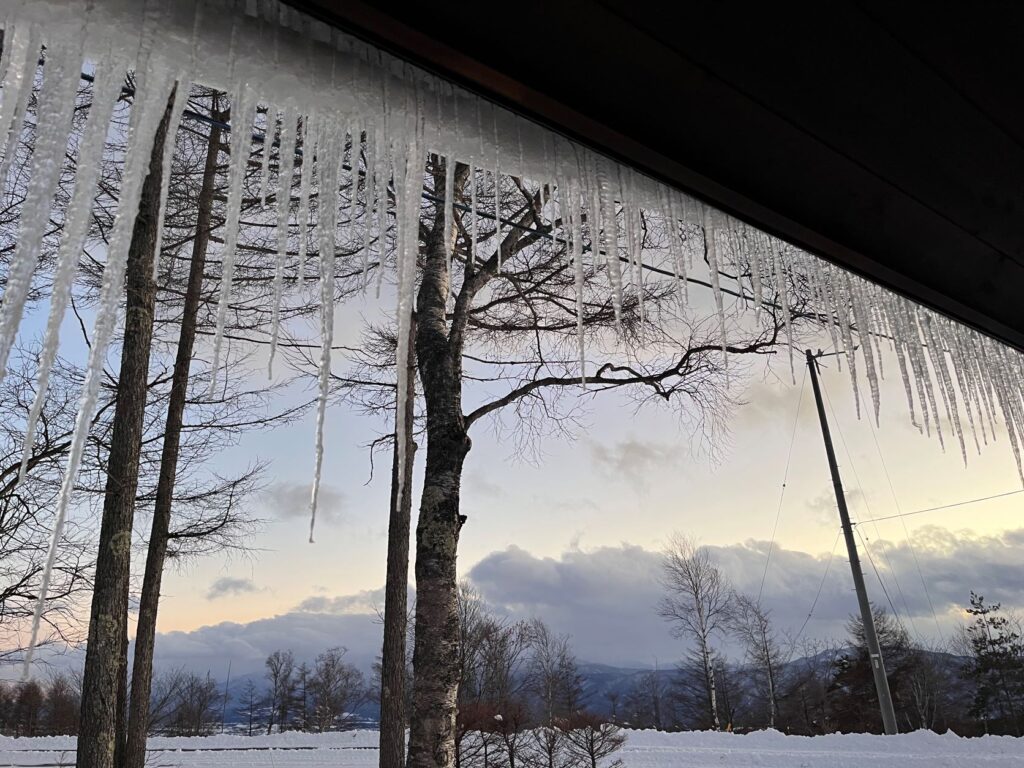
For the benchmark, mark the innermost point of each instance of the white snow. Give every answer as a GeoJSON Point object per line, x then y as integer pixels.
{"type": "Point", "coordinates": [643, 749]}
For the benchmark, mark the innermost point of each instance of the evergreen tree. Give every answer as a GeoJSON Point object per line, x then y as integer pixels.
{"type": "Point", "coordinates": [996, 667]}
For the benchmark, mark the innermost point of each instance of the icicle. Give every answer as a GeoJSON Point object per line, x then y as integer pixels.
{"type": "Point", "coordinates": [782, 285]}
{"type": "Point", "coordinates": [408, 190]}
{"type": "Point", "coordinates": [842, 301]}
{"type": "Point", "coordinates": [676, 246]}
{"type": "Point", "coordinates": [330, 149]}
{"type": "Point", "coordinates": [285, 173]}
{"type": "Point", "coordinates": [924, 379]}
{"type": "Point", "coordinates": [241, 142]}
{"type": "Point", "coordinates": [755, 274]}
{"type": "Point", "coordinates": [946, 388]}
{"type": "Point", "coordinates": [305, 180]}
{"type": "Point", "coordinates": [181, 95]}
{"type": "Point", "coordinates": [611, 244]}
{"type": "Point", "coordinates": [5, 49]}
{"type": "Point", "coordinates": [716, 288]}
{"type": "Point", "coordinates": [473, 217]}
{"type": "Point", "coordinates": [56, 105]}
{"type": "Point", "coordinates": [368, 187]}
{"type": "Point", "coordinates": [573, 208]}
{"type": "Point", "coordinates": [268, 146]}
{"type": "Point", "coordinates": [450, 236]}
{"type": "Point", "coordinates": [497, 191]}
{"type": "Point", "coordinates": [76, 226]}
{"type": "Point", "coordinates": [901, 360]}
{"type": "Point", "coordinates": [862, 319]}
{"type": "Point", "coordinates": [381, 219]}
{"type": "Point", "coordinates": [17, 89]}
{"type": "Point", "coordinates": [152, 91]}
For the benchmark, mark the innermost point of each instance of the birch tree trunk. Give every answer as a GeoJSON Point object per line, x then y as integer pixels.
{"type": "Point", "coordinates": [436, 652]}
{"type": "Point", "coordinates": [105, 658]}
{"type": "Point", "coordinates": [145, 637]}
{"type": "Point", "coordinates": [396, 590]}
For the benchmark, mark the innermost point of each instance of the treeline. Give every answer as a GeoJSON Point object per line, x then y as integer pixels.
{"type": "Point", "coordinates": [34, 708]}
{"type": "Point", "coordinates": [973, 684]}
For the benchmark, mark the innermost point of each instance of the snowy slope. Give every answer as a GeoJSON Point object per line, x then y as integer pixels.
{"type": "Point", "coordinates": [644, 749]}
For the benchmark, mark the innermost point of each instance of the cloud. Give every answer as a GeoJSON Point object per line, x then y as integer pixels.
{"type": "Point", "coordinates": [247, 646]}
{"type": "Point", "coordinates": [291, 500]}
{"type": "Point", "coordinates": [634, 460]}
{"type": "Point", "coordinates": [368, 601]}
{"type": "Point", "coordinates": [480, 485]}
{"type": "Point", "coordinates": [823, 506]}
{"type": "Point", "coordinates": [227, 586]}
{"type": "Point", "coordinates": [606, 598]}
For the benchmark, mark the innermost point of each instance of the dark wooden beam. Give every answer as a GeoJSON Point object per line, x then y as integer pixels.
{"type": "Point", "coordinates": [885, 137]}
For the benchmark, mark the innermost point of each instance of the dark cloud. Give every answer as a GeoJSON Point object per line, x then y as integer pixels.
{"type": "Point", "coordinates": [291, 500]}
{"type": "Point", "coordinates": [606, 598]}
{"type": "Point", "coordinates": [248, 645]}
{"type": "Point", "coordinates": [227, 586]}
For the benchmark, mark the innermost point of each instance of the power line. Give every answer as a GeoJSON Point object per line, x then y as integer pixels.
{"type": "Point", "coordinates": [782, 493]}
{"type": "Point", "coordinates": [945, 506]}
{"type": "Point", "coordinates": [906, 532]}
{"type": "Point", "coordinates": [867, 549]}
{"type": "Point", "coordinates": [817, 595]}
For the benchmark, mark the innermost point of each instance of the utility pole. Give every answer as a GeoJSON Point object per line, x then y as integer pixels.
{"type": "Point", "coordinates": [874, 650]}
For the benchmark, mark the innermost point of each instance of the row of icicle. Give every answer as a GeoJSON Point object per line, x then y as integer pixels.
{"type": "Point", "coordinates": [949, 372]}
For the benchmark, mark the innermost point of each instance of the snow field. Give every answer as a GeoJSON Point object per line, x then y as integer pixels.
{"type": "Point", "coordinates": [643, 749]}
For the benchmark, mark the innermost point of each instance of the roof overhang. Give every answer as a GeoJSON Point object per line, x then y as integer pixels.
{"type": "Point", "coordinates": [885, 137]}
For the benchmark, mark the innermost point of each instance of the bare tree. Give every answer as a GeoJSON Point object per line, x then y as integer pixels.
{"type": "Point", "coordinates": [591, 740]}
{"type": "Point", "coordinates": [281, 688]}
{"type": "Point", "coordinates": [498, 311]}
{"type": "Point", "coordinates": [697, 605]}
{"type": "Point", "coordinates": [25, 504]}
{"type": "Point", "coordinates": [646, 704]}
{"type": "Point", "coordinates": [337, 688]}
{"type": "Point", "coordinates": [751, 624]}
{"type": "Point", "coordinates": [196, 706]}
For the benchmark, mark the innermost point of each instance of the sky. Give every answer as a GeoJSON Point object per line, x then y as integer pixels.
{"type": "Point", "coordinates": [574, 535]}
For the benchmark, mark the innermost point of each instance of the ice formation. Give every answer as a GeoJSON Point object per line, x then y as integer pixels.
{"type": "Point", "coordinates": [332, 92]}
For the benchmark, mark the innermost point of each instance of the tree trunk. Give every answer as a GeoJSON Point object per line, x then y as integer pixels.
{"type": "Point", "coordinates": [396, 589]}
{"type": "Point", "coordinates": [709, 678]}
{"type": "Point", "coordinates": [105, 658]}
{"type": "Point", "coordinates": [436, 652]}
{"type": "Point", "coordinates": [145, 636]}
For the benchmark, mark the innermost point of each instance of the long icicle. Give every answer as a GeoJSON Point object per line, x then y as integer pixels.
{"type": "Point", "coordinates": [241, 140]}
{"type": "Point", "coordinates": [17, 89]}
{"type": "Point", "coordinates": [286, 165]}
{"type": "Point", "coordinates": [305, 180]}
{"type": "Point", "coordinates": [56, 105]}
{"type": "Point", "coordinates": [326, 231]}
{"type": "Point", "coordinates": [149, 105]}
{"type": "Point", "coordinates": [76, 227]}
{"type": "Point", "coordinates": [268, 144]}
{"type": "Point", "coordinates": [181, 96]}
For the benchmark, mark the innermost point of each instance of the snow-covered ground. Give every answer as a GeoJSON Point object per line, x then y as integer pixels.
{"type": "Point", "coordinates": [643, 749]}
